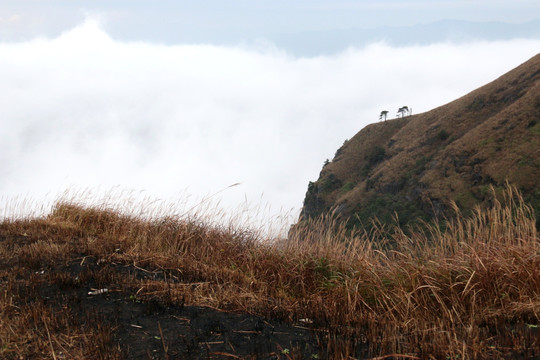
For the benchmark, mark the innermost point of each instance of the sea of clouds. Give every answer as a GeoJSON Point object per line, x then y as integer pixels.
{"type": "Point", "coordinates": [84, 111]}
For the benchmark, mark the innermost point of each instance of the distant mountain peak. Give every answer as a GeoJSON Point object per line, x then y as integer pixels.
{"type": "Point", "coordinates": [317, 42]}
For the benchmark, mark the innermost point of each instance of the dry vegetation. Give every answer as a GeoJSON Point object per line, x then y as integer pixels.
{"type": "Point", "coordinates": [471, 291]}
{"type": "Point", "coordinates": [415, 165]}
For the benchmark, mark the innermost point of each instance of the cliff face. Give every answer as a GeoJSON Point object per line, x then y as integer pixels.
{"type": "Point", "coordinates": [414, 166]}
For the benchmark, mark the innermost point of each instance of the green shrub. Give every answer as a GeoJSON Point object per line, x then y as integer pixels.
{"type": "Point", "coordinates": [347, 187]}
{"type": "Point", "coordinates": [443, 135]}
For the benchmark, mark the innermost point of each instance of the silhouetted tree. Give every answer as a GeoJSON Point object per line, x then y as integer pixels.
{"type": "Point", "coordinates": [403, 110]}
{"type": "Point", "coordinates": [384, 113]}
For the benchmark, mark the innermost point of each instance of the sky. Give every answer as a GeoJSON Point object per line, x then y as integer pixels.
{"type": "Point", "coordinates": [179, 100]}
{"type": "Point", "coordinates": [232, 20]}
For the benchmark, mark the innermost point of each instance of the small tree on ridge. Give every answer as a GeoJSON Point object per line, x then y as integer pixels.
{"type": "Point", "coordinates": [403, 110]}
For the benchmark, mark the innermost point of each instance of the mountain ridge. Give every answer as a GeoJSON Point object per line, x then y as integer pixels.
{"type": "Point", "coordinates": [415, 166]}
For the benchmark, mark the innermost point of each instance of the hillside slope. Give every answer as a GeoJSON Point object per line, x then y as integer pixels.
{"type": "Point", "coordinates": [414, 166]}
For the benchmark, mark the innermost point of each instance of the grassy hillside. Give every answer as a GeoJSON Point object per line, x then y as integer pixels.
{"type": "Point", "coordinates": [414, 166]}
{"type": "Point", "coordinates": [91, 283]}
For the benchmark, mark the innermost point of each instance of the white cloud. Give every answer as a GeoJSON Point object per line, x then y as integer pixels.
{"type": "Point", "coordinates": [84, 110]}
{"type": "Point", "coordinates": [15, 18]}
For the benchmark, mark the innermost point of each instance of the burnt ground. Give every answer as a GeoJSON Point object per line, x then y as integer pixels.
{"type": "Point", "coordinates": [152, 330]}
{"type": "Point", "coordinates": [147, 328]}
{"type": "Point", "coordinates": [126, 323]}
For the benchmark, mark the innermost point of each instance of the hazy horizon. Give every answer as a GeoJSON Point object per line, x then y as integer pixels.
{"type": "Point", "coordinates": [241, 21]}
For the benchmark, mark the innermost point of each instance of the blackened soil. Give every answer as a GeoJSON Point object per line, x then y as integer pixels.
{"type": "Point", "coordinates": [150, 328]}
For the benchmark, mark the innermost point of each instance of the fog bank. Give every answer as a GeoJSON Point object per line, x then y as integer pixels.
{"type": "Point", "coordinates": [85, 111]}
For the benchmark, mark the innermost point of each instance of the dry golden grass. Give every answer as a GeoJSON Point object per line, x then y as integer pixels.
{"type": "Point", "coordinates": [470, 291]}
